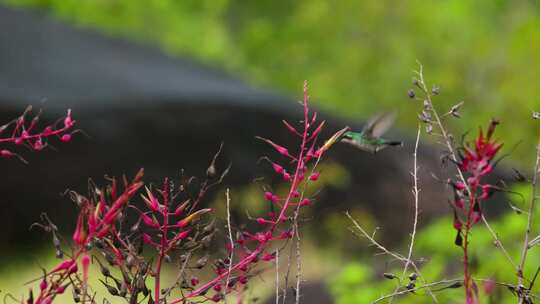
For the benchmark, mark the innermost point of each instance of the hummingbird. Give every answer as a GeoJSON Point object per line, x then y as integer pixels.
{"type": "Point", "coordinates": [369, 139]}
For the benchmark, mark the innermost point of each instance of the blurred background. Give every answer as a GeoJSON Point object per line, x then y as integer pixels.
{"type": "Point", "coordinates": [199, 72]}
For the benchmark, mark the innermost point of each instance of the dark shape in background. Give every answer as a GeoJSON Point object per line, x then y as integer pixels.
{"type": "Point", "coordinates": [142, 108]}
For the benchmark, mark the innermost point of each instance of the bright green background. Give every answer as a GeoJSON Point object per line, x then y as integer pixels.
{"type": "Point", "coordinates": [357, 55]}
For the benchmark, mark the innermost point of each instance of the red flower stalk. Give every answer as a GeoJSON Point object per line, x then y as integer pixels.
{"type": "Point", "coordinates": [475, 163]}
{"type": "Point", "coordinates": [23, 131]}
{"type": "Point", "coordinates": [96, 221]}
{"type": "Point", "coordinates": [250, 248]}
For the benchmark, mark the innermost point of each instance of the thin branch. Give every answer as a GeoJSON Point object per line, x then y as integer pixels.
{"type": "Point", "coordinates": [379, 246]}
{"type": "Point", "coordinates": [425, 286]}
{"type": "Point", "coordinates": [298, 263]}
{"type": "Point", "coordinates": [277, 276]}
{"type": "Point", "coordinates": [526, 247]}
{"type": "Point", "coordinates": [231, 256]}
{"type": "Point", "coordinates": [287, 274]}
{"type": "Point", "coordinates": [384, 250]}
{"type": "Point", "coordinates": [416, 197]}
{"type": "Point", "coordinates": [415, 192]}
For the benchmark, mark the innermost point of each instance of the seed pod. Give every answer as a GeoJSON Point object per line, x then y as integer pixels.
{"type": "Point", "coordinates": [190, 245]}
{"type": "Point", "coordinates": [211, 171]}
{"type": "Point", "coordinates": [389, 276]}
{"type": "Point", "coordinates": [135, 227]}
{"type": "Point", "coordinates": [144, 268]}
{"type": "Point", "coordinates": [112, 290]}
{"type": "Point", "coordinates": [201, 262]}
{"type": "Point", "coordinates": [429, 128]}
{"type": "Point", "coordinates": [232, 282]}
{"type": "Point", "coordinates": [209, 228]}
{"type": "Point", "coordinates": [459, 239]}
{"type": "Point", "coordinates": [411, 93]}
{"type": "Point", "coordinates": [130, 261]}
{"type": "Point", "coordinates": [76, 296]}
{"type": "Point", "coordinates": [184, 284]}
{"type": "Point", "coordinates": [435, 90]}
{"type": "Point", "coordinates": [413, 276]}
{"type": "Point", "coordinates": [104, 271]}
{"type": "Point", "coordinates": [109, 257]}
{"type": "Point", "coordinates": [30, 299]}
{"type": "Point", "coordinates": [206, 241]}
{"type": "Point", "coordinates": [219, 263]}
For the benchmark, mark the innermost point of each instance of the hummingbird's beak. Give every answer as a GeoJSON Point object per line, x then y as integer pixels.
{"type": "Point", "coordinates": [338, 136]}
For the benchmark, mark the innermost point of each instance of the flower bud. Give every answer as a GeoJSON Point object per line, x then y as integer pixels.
{"type": "Point", "coordinates": [314, 176]}
{"type": "Point", "coordinates": [65, 137]}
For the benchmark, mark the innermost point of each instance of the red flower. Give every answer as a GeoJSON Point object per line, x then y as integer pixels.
{"type": "Point", "coordinates": [478, 161]}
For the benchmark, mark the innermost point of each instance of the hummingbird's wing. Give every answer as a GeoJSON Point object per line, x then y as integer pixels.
{"type": "Point", "coordinates": [379, 124]}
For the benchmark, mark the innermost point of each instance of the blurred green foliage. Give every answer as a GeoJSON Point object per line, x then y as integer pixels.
{"type": "Point", "coordinates": [357, 55]}
{"type": "Point", "coordinates": [358, 283]}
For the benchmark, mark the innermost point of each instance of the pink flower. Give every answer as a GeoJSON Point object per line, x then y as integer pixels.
{"type": "Point", "coordinates": [85, 261]}
{"type": "Point", "coordinates": [286, 176]}
{"type": "Point", "coordinates": [243, 279]}
{"type": "Point", "coordinates": [314, 176]}
{"type": "Point", "coordinates": [290, 128]}
{"type": "Point", "coordinates": [268, 257]}
{"type": "Point", "coordinates": [277, 168]}
{"type": "Point", "coordinates": [489, 286]}
{"type": "Point", "coordinates": [60, 289]}
{"type": "Point", "coordinates": [79, 236]}
{"type": "Point", "coordinates": [149, 221]}
{"type": "Point", "coordinates": [43, 284]}
{"type": "Point", "coordinates": [147, 239]}
{"type": "Point", "coordinates": [477, 161]}
{"type": "Point", "coordinates": [268, 196]}
{"type": "Point", "coordinates": [280, 149]}
{"type": "Point", "coordinates": [6, 153]}
{"type": "Point", "coordinates": [65, 137]}
{"type": "Point", "coordinates": [305, 202]}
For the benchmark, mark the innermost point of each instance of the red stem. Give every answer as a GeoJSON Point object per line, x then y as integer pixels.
{"type": "Point", "coordinates": [52, 133]}
{"type": "Point", "coordinates": [300, 161]}
{"type": "Point", "coordinates": [163, 248]}
{"type": "Point", "coordinates": [469, 293]}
